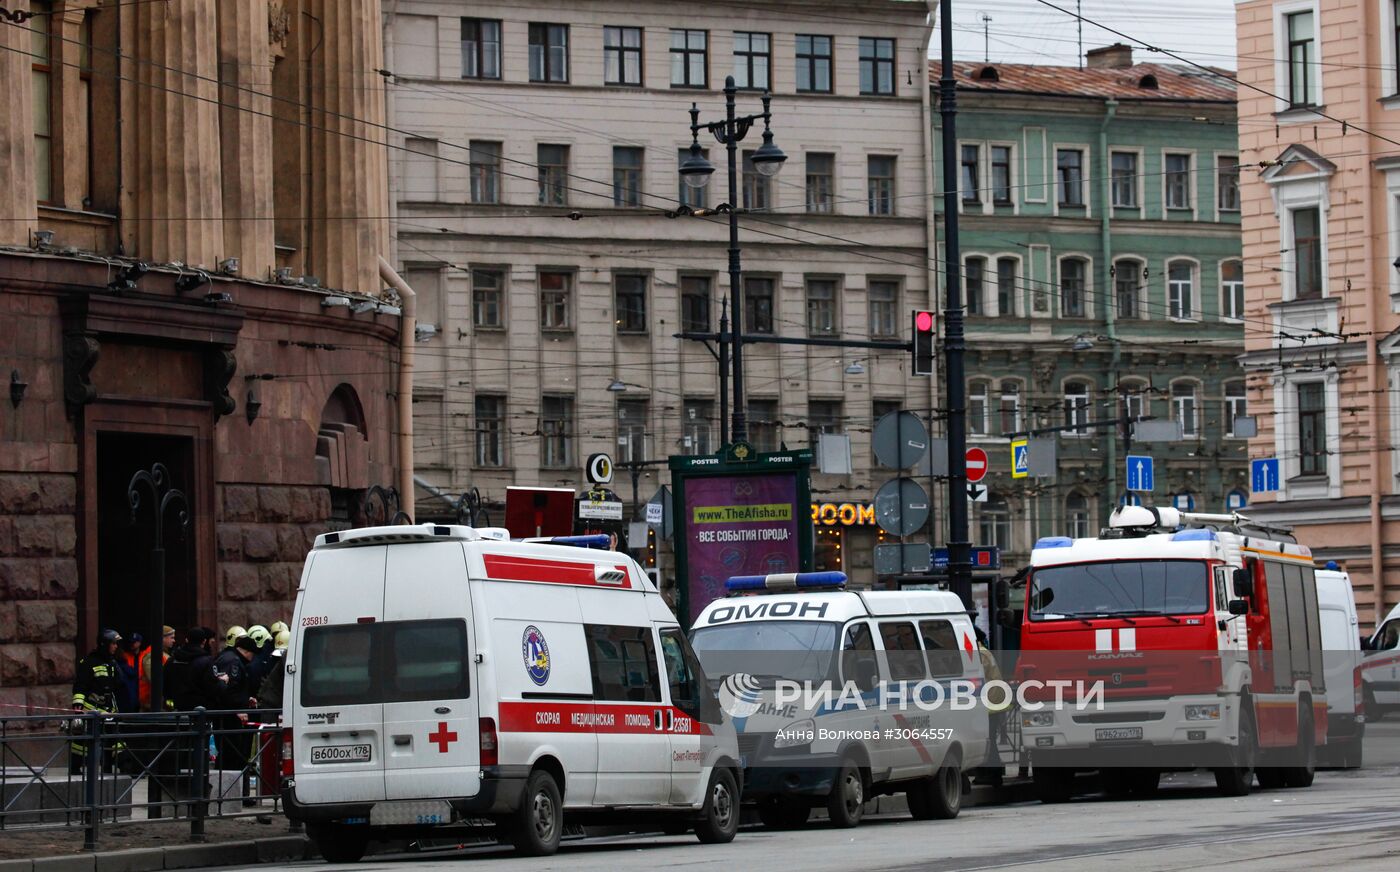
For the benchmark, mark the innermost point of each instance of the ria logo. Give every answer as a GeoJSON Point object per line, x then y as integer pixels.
{"type": "Point", "coordinates": [739, 695]}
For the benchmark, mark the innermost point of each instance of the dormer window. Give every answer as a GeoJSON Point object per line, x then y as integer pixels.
{"type": "Point", "coordinates": [1148, 82]}
{"type": "Point", "coordinates": [988, 74]}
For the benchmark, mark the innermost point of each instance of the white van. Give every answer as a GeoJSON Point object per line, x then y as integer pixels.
{"type": "Point", "coordinates": [1341, 644]}
{"type": "Point", "coordinates": [438, 675]}
{"type": "Point", "coordinates": [871, 646]}
{"type": "Point", "coordinates": [1380, 672]}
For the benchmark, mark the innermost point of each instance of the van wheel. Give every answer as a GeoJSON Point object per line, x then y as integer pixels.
{"type": "Point", "coordinates": [1302, 774]}
{"type": "Point", "coordinates": [539, 822]}
{"type": "Point", "coordinates": [339, 844]}
{"type": "Point", "coordinates": [845, 805]}
{"type": "Point", "coordinates": [720, 819]}
{"type": "Point", "coordinates": [783, 814]}
{"type": "Point", "coordinates": [944, 790]}
{"type": "Point", "coordinates": [1238, 779]}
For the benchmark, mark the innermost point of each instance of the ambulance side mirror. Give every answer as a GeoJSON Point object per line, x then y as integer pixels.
{"type": "Point", "coordinates": [1244, 583]}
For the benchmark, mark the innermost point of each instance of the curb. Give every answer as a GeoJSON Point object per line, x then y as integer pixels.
{"type": "Point", "coordinates": [278, 849]}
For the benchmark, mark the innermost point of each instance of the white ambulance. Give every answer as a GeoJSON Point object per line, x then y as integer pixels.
{"type": "Point", "coordinates": [1380, 674]}
{"type": "Point", "coordinates": [886, 655]}
{"type": "Point", "coordinates": [441, 675]}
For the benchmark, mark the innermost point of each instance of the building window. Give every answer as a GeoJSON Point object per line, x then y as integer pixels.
{"type": "Point", "coordinates": [1134, 400]}
{"type": "Point", "coordinates": [1178, 180]}
{"type": "Point", "coordinates": [821, 179]}
{"type": "Point", "coordinates": [485, 171]}
{"type": "Point", "coordinates": [881, 184]}
{"type": "Point", "coordinates": [994, 523]}
{"type": "Point", "coordinates": [695, 198]}
{"type": "Point", "coordinates": [1006, 285]}
{"type": "Point", "coordinates": [490, 431]}
{"type": "Point", "coordinates": [1184, 405]}
{"type": "Point", "coordinates": [1227, 183]}
{"type": "Point", "coordinates": [974, 268]}
{"type": "Point", "coordinates": [1001, 175]}
{"type": "Point", "coordinates": [1181, 289]}
{"type": "Point", "coordinates": [1312, 429]}
{"type": "Point", "coordinates": [884, 308]}
{"type": "Point", "coordinates": [1307, 253]}
{"type": "Point", "coordinates": [1077, 407]}
{"type": "Point", "coordinates": [1232, 290]}
{"type": "Point", "coordinates": [1301, 59]}
{"type": "Point", "coordinates": [823, 416]}
{"type": "Point", "coordinates": [1126, 286]}
{"type": "Point", "coordinates": [1125, 179]}
{"type": "Point", "coordinates": [813, 64]}
{"type": "Point", "coordinates": [1184, 501]}
{"type": "Point", "coordinates": [1077, 516]}
{"type": "Point", "coordinates": [627, 176]}
{"type": "Point", "coordinates": [757, 188]}
{"type": "Point", "coordinates": [697, 417]}
{"type": "Point", "coordinates": [821, 307]}
{"type": "Point", "coordinates": [1069, 170]}
{"type": "Point", "coordinates": [487, 290]}
{"type": "Point", "coordinates": [1010, 407]}
{"type": "Point", "coordinates": [553, 167]}
{"type": "Point", "coordinates": [481, 49]}
{"type": "Point", "coordinates": [557, 429]}
{"type": "Point", "coordinates": [420, 175]}
{"type": "Point", "coordinates": [979, 414]}
{"type": "Point", "coordinates": [632, 430]}
{"type": "Point", "coordinates": [1236, 406]}
{"type": "Point", "coordinates": [1073, 272]}
{"type": "Point", "coordinates": [630, 294]}
{"type": "Point", "coordinates": [690, 58]}
{"type": "Point", "coordinates": [556, 291]}
{"type": "Point", "coordinates": [41, 66]}
{"type": "Point", "coordinates": [763, 425]}
{"type": "Point", "coordinates": [971, 174]}
{"type": "Point", "coordinates": [695, 304]}
{"type": "Point", "coordinates": [758, 304]}
{"type": "Point", "coordinates": [752, 59]}
{"type": "Point", "coordinates": [876, 66]}
{"type": "Point", "coordinates": [622, 56]}
{"type": "Point", "coordinates": [549, 52]}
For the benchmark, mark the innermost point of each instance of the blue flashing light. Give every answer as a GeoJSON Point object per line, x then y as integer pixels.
{"type": "Point", "coordinates": [596, 540]}
{"type": "Point", "coordinates": [1332, 565]}
{"type": "Point", "coordinates": [1054, 542]}
{"type": "Point", "coordinates": [1194, 536]}
{"type": "Point", "coordinates": [787, 581]}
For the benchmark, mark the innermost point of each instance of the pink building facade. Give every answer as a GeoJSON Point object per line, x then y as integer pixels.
{"type": "Point", "coordinates": [1319, 120]}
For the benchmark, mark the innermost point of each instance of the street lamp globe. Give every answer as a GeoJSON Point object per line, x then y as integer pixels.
{"type": "Point", "coordinates": [768, 159]}
{"type": "Point", "coordinates": [696, 170]}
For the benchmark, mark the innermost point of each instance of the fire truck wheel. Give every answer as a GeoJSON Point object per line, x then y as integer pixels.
{"type": "Point", "coordinates": [1052, 784]}
{"type": "Point", "coordinates": [845, 805]}
{"type": "Point", "coordinates": [539, 822]}
{"type": "Point", "coordinates": [720, 820]}
{"type": "Point", "coordinates": [1302, 774]}
{"type": "Point", "coordinates": [339, 844]}
{"type": "Point", "coordinates": [783, 814]}
{"type": "Point", "coordinates": [1237, 780]}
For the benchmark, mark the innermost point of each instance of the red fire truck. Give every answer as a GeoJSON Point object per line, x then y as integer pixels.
{"type": "Point", "coordinates": [1200, 637]}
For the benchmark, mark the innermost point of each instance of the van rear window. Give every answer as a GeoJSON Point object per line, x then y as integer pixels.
{"type": "Point", "coordinates": [394, 661]}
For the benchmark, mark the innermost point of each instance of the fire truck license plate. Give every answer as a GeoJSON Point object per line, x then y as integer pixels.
{"type": "Point", "coordinates": [1117, 733]}
{"type": "Point", "coordinates": [340, 753]}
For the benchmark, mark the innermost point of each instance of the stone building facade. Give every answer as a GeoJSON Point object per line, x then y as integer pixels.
{"type": "Point", "coordinates": [171, 177]}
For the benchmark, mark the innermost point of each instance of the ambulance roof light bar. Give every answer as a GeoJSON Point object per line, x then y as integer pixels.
{"type": "Point", "coordinates": [787, 581]}
{"type": "Point", "coordinates": [596, 540]}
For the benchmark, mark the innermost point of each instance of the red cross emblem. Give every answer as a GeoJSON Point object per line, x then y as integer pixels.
{"type": "Point", "coordinates": [442, 738]}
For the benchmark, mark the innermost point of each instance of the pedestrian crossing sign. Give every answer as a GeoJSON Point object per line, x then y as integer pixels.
{"type": "Point", "coordinates": [1020, 458]}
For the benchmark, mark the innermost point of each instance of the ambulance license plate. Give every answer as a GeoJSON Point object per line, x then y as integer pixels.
{"type": "Point", "coordinates": [340, 753]}
{"type": "Point", "coordinates": [413, 813]}
{"type": "Point", "coordinates": [1110, 734]}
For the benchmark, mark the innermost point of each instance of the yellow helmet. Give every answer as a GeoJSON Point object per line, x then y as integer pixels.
{"type": "Point", "coordinates": [259, 634]}
{"type": "Point", "coordinates": [278, 627]}
{"type": "Point", "coordinates": [233, 633]}
{"type": "Point", "coordinates": [283, 639]}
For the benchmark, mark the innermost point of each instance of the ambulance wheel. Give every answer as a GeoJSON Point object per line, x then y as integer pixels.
{"type": "Point", "coordinates": [539, 822]}
{"type": "Point", "coordinates": [1053, 784]}
{"type": "Point", "coordinates": [339, 844]}
{"type": "Point", "coordinates": [940, 797]}
{"type": "Point", "coordinates": [1302, 774]}
{"type": "Point", "coordinates": [783, 814]}
{"type": "Point", "coordinates": [720, 819]}
{"type": "Point", "coordinates": [845, 805]}
{"type": "Point", "coordinates": [1238, 780]}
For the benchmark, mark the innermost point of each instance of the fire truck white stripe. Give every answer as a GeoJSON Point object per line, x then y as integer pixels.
{"type": "Point", "coordinates": [1103, 640]}
{"type": "Point", "coordinates": [1127, 639]}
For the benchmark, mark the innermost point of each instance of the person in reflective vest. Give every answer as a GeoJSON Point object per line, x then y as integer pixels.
{"type": "Point", "coordinates": [167, 641]}
{"type": "Point", "coordinates": [96, 687]}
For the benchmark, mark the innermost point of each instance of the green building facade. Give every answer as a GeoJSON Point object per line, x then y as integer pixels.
{"type": "Point", "coordinates": [1100, 242]}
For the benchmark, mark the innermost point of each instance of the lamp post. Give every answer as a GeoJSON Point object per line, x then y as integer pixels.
{"type": "Point", "coordinates": [152, 488]}
{"type": "Point", "coordinates": [696, 170]}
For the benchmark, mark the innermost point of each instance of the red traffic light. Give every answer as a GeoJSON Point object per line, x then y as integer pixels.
{"type": "Point", "coordinates": [922, 343]}
{"type": "Point", "coordinates": [923, 322]}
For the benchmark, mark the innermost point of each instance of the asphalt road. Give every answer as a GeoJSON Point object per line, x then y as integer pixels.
{"type": "Point", "coordinates": [1345, 820]}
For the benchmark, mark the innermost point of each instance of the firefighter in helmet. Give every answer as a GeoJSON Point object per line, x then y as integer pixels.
{"type": "Point", "coordinates": [96, 686]}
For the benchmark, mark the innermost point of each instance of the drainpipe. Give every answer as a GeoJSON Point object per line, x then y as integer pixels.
{"type": "Point", "coordinates": [1107, 296]}
{"type": "Point", "coordinates": [1375, 385]}
{"type": "Point", "coordinates": [408, 322]}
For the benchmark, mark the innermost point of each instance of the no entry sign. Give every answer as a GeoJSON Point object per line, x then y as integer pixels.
{"type": "Point", "coordinates": [976, 464]}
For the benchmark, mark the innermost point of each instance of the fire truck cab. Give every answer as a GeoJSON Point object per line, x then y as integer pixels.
{"type": "Point", "coordinates": [1202, 632]}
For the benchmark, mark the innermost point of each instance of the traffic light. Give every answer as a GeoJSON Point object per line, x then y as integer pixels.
{"type": "Point", "coordinates": [923, 342]}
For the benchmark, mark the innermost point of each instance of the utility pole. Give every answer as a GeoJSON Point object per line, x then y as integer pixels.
{"type": "Point", "coordinates": [1079, 20]}
{"type": "Point", "coordinates": [986, 39]}
{"type": "Point", "coordinates": [959, 548]}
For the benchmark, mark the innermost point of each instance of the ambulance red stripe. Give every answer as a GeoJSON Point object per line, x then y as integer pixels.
{"type": "Point", "coordinates": [589, 717]}
{"type": "Point", "coordinates": [507, 567]}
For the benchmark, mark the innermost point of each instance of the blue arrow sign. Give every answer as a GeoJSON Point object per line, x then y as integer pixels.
{"type": "Point", "coordinates": [1263, 475]}
{"type": "Point", "coordinates": [1140, 477]}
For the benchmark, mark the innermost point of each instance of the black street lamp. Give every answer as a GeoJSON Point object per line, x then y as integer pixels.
{"type": "Point", "coordinates": [696, 170]}
{"type": "Point", "coordinates": [152, 488]}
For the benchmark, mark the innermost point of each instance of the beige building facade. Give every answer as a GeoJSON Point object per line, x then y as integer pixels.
{"type": "Point", "coordinates": [536, 190]}
{"type": "Point", "coordinates": [1318, 104]}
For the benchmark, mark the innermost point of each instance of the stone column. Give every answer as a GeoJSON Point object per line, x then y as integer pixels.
{"type": "Point", "coordinates": [349, 185]}
{"type": "Point", "coordinates": [19, 207]}
{"type": "Point", "coordinates": [245, 131]}
{"type": "Point", "coordinates": [176, 189]}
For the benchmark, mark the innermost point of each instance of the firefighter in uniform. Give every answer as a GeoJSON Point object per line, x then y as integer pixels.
{"type": "Point", "coordinates": [95, 688]}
